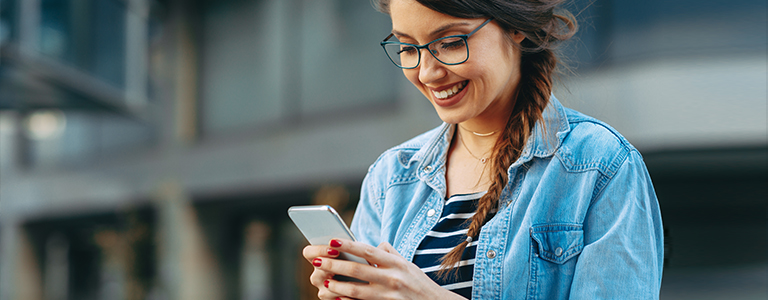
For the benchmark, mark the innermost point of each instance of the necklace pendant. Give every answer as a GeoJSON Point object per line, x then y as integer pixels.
{"type": "Point", "coordinates": [483, 160]}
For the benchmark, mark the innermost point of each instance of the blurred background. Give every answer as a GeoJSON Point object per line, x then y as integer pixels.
{"type": "Point", "coordinates": [149, 149]}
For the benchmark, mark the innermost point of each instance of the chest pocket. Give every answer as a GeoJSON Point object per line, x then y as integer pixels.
{"type": "Point", "coordinates": [557, 242]}
{"type": "Point", "coordinates": [555, 250]}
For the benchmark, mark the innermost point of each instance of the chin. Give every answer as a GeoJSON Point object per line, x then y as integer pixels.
{"type": "Point", "coordinates": [452, 115]}
{"type": "Point", "coordinates": [450, 118]}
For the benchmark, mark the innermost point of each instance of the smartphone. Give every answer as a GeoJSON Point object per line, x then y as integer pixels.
{"type": "Point", "coordinates": [321, 223]}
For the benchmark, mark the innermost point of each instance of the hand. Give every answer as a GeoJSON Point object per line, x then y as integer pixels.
{"type": "Point", "coordinates": [318, 277]}
{"type": "Point", "coordinates": [390, 276]}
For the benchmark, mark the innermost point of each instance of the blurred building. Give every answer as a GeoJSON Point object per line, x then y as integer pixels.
{"type": "Point", "coordinates": [149, 149]}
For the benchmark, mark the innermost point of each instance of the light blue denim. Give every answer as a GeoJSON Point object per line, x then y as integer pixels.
{"type": "Point", "coordinates": [579, 218]}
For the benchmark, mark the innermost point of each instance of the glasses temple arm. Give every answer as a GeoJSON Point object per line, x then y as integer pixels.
{"type": "Point", "coordinates": [478, 27]}
{"type": "Point", "coordinates": [388, 37]}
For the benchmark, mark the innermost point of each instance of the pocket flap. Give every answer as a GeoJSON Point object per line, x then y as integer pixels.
{"type": "Point", "coordinates": [558, 242]}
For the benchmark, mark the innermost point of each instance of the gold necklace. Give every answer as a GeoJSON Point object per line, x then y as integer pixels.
{"type": "Point", "coordinates": [480, 134]}
{"type": "Point", "coordinates": [483, 134]}
{"type": "Point", "coordinates": [461, 139]}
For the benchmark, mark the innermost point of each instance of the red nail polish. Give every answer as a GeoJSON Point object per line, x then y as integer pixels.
{"type": "Point", "coordinates": [333, 252]}
{"type": "Point", "coordinates": [326, 283]}
{"type": "Point", "coordinates": [317, 262]}
{"type": "Point", "coordinates": [335, 243]}
{"type": "Point", "coordinates": [337, 298]}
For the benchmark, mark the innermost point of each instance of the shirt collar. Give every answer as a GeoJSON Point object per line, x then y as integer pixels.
{"type": "Point", "coordinates": [548, 133]}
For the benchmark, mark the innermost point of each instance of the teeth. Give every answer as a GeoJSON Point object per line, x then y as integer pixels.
{"type": "Point", "coordinates": [448, 92]}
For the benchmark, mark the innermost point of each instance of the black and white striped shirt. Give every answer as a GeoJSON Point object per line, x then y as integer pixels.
{"type": "Point", "coordinates": [450, 230]}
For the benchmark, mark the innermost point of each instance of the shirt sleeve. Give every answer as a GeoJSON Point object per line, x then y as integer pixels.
{"type": "Point", "coordinates": [366, 224]}
{"type": "Point", "coordinates": [623, 253]}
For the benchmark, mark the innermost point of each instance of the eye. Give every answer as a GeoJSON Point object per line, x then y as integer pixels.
{"type": "Point", "coordinates": [452, 44]}
{"type": "Point", "coordinates": [408, 50]}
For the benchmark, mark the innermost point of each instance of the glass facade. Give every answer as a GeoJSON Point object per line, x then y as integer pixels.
{"type": "Point", "coordinates": [244, 68]}
{"type": "Point", "coordinates": [268, 61]}
{"type": "Point", "coordinates": [89, 137]}
{"type": "Point", "coordinates": [7, 22]}
{"type": "Point", "coordinates": [342, 65]}
{"type": "Point", "coordinates": [685, 27]}
{"type": "Point", "coordinates": [616, 32]}
{"type": "Point", "coordinates": [67, 60]}
{"type": "Point", "coordinates": [88, 34]}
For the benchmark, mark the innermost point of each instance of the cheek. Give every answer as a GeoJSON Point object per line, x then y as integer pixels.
{"type": "Point", "coordinates": [500, 55]}
{"type": "Point", "coordinates": [497, 70]}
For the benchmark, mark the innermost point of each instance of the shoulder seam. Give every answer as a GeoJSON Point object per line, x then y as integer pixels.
{"type": "Point", "coordinates": [607, 178]}
{"type": "Point", "coordinates": [581, 118]}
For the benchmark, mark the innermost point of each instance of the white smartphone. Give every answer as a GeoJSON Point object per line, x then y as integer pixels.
{"type": "Point", "coordinates": [321, 223]}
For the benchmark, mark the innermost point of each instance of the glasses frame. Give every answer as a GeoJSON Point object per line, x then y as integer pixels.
{"type": "Point", "coordinates": [464, 37]}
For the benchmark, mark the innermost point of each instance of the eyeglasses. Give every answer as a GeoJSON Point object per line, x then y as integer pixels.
{"type": "Point", "coordinates": [449, 50]}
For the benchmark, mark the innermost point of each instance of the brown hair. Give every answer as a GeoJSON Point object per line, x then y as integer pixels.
{"type": "Point", "coordinates": [543, 28]}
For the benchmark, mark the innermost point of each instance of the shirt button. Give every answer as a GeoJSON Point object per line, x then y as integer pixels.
{"type": "Point", "coordinates": [559, 251]}
{"type": "Point", "coordinates": [430, 213]}
{"type": "Point", "coordinates": [428, 169]}
{"type": "Point", "coordinates": [491, 254]}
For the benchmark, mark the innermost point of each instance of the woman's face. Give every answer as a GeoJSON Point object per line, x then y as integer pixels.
{"type": "Point", "coordinates": [486, 82]}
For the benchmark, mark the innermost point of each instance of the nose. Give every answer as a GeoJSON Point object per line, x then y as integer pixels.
{"type": "Point", "coordinates": [430, 69]}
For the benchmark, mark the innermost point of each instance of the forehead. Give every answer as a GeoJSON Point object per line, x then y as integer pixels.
{"type": "Point", "coordinates": [416, 20]}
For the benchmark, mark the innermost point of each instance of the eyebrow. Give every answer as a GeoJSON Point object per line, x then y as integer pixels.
{"type": "Point", "coordinates": [434, 32]}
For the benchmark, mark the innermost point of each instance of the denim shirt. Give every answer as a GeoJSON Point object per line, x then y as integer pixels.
{"type": "Point", "coordinates": [578, 219]}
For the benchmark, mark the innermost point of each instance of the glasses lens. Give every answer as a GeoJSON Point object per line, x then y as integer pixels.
{"type": "Point", "coordinates": [450, 50]}
{"type": "Point", "coordinates": [404, 56]}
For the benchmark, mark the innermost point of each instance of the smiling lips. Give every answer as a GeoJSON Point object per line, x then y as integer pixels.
{"type": "Point", "coordinates": [447, 93]}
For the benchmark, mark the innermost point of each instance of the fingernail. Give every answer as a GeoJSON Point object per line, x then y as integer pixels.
{"type": "Point", "coordinates": [326, 283]}
{"type": "Point", "coordinates": [337, 298]}
{"type": "Point", "coordinates": [335, 243]}
{"type": "Point", "coordinates": [333, 252]}
{"type": "Point", "coordinates": [317, 262]}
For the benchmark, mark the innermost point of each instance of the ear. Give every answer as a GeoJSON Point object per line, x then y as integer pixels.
{"type": "Point", "coordinates": [518, 36]}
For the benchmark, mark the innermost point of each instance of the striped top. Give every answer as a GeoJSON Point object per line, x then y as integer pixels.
{"type": "Point", "coordinates": [450, 230]}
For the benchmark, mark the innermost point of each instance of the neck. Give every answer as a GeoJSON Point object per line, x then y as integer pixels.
{"type": "Point", "coordinates": [480, 134]}
{"type": "Point", "coordinates": [480, 143]}
{"type": "Point", "coordinates": [488, 125]}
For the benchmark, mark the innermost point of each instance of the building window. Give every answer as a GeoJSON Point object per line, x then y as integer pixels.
{"type": "Point", "coordinates": [87, 34]}
{"type": "Point", "coordinates": [267, 61]}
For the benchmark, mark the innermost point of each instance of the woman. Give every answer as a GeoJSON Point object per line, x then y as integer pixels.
{"type": "Point", "coordinates": [557, 204]}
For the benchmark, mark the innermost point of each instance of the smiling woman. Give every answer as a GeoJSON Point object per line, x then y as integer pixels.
{"type": "Point", "coordinates": [514, 196]}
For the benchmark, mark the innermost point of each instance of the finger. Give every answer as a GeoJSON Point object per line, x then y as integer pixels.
{"type": "Point", "coordinates": [388, 248]}
{"type": "Point", "coordinates": [313, 251]}
{"type": "Point", "coordinates": [345, 268]}
{"type": "Point", "coordinates": [373, 255]}
{"type": "Point", "coordinates": [351, 290]}
{"type": "Point", "coordinates": [318, 279]}
{"type": "Point", "coordinates": [325, 293]}
{"type": "Point", "coordinates": [319, 276]}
